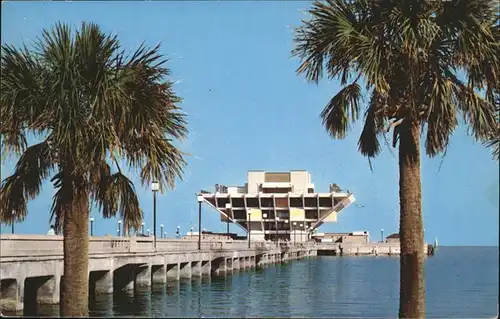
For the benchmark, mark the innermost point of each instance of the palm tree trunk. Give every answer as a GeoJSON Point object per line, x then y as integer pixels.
{"type": "Point", "coordinates": [74, 290]}
{"type": "Point", "coordinates": [411, 294]}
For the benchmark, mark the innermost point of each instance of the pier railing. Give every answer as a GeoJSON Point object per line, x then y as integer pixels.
{"type": "Point", "coordinates": [50, 245]}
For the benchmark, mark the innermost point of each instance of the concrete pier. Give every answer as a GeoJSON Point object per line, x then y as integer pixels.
{"type": "Point", "coordinates": [31, 266]}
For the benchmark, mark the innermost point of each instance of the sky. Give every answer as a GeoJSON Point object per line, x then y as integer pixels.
{"type": "Point", "coordinates": [247, 109]}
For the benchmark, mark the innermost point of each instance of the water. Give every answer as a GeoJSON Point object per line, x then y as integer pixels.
{"type": "Point", "coordinates": [462, 282]}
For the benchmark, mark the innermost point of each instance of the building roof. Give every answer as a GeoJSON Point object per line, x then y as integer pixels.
{"type": "Point", "coordinates": [395, 235]}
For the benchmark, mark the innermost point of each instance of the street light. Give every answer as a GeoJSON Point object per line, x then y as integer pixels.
{"type": "Point", "coordinates": [119, 228]}
{"type": "Point", "coordinates": [13, 213]}
{"type": "Point", "coordinates": [191, 231]}
{"type": "Point", "coordinates": [264, 217]}
{"type": "Point", "coordinates": [161, 230]}
{"type": "Point", "coordinates": [200, 200]}
{"type": "Point", "coordinates": [301, 225]}
{"type": "Point", "coordinates": [277, 220]}
{"type": "Point", "coordinates": [155, 187]}
{"type": "Point", "coordinates": [143, 224]}
{"type": "Point", "coordinates": [91, 226]}
{"type": "Point", "coordinates": [228, 208]}
{"type": "Point", "coordinates": [382, 235]}
{"type": "Point", "coordinates": [286, 228]}
{"type": "Point", "coordinates": [249, 227]}
{"type": "Point", "coordinates": [177, 232]}
{"type": "Point", "coordinates": [294, 232]}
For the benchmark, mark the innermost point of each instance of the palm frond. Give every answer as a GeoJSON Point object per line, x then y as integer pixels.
{"type": "Point", "coordinates": [330, 37]}
{"type": "Point", "coordinates": [165, 166]}
{"type": "Point", "coordinates": [117, 195]}
{"type": "Point", "coordinates": [342, 108]}
{"type": "Point", "coordinates": [368, 143]}
{"type": "Point", "coordinates": [35, 165]}
{"type": "Point", "coordinates": [477, 112]}
{"type": "Point", "coordinates": [19, 103]}
{"type": "Point", "coordinates": [493, 140]}
{"type": "Point", "coordinates": [13, 200]}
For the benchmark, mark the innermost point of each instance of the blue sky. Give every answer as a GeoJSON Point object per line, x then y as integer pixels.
{"type": "Point", "coordinates": [247, 109]}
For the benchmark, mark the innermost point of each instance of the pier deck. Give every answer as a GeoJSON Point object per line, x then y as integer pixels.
{"type": "Point", "coordinates": [34, 263]}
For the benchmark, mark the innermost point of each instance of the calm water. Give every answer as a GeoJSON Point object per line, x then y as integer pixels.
{"type": "Point", "coordinates": [461, 282]}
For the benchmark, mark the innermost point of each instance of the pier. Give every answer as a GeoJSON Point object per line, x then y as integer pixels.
{"type": "Point", "coordinates": [31, 266]}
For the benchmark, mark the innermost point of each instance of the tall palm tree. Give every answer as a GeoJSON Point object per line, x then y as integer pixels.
{"type": "Point", "coordinates": [421, 62]}
{"type": "Point", "coordinates": [91, 104]}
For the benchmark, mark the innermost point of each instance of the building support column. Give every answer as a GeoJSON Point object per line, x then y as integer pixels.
{"type": "Point", "coordinates": [185, 270]}
{"type": "Point", "coordinates": [49, 292]}
{"type": "Point", "coordinates": [143, 277]}
{"type": "Point", "coordinates": [159, 274]}
{"type": "Point", "coordinates": [102, 282]}
{"type": "Point", "coordinates": [173, 271]}
{"type": "Point", "coordinates": [196, 270]}
{"type": "Point", "coordinates": [12, 297]}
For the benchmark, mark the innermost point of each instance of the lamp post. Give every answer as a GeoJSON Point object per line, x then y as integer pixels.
{"type": "Point", "coordinates": [301, 225]}
{"type": "Point", "coordinates": [286, 228]}
{"type": "Point", "coordinates": [161, 230]}
{"type": "Point", "coordinates": [264, 217]}
{"type": "Point", "coordinates": [143, 225]}
{"type": "Point", "coordinates": [200, 200]}
{"type": "Point", "coordinates": [277, 220]}
{"type": "Point", "coordinates": [382, 235]}
{"type": "Point", "coordinates": [91, 226]}
{"type": "Point", "coordinates": [165, 234]}
{"type": "Point", "coordinates": [155, 187]}
{"type": "Point", "coordinates": [119, 231]}
{"type": "Point", "coordinates": [178, 231]}
{"type": "Point", "coordinates": [294, 232]}
{"type": "Point", "coordinates": [228, 209]}
{"type": "Point", "coordinates": [149, 232]}
{"type": "Point", "coordinates": [249, 227]}
{"type": "Point", "coordinates": [191, 231]}
{"type": "Point", "coordinates": [13, 213]}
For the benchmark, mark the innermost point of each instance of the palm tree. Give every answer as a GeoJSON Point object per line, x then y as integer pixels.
{"type": "Point", "coordinates": [421, 62]}
{"type": "Point", "coordinates": [91, 104]}
{"type": "Point", "coordinates": [493, 140]}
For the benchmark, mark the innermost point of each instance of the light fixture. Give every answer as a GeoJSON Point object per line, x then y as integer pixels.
{"type": "Point", "coordinates": [155, 186]}
{"type": "Point", "coordinates": [264, 215]}
{"type": "Point", "coordinates": [199, 198]}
